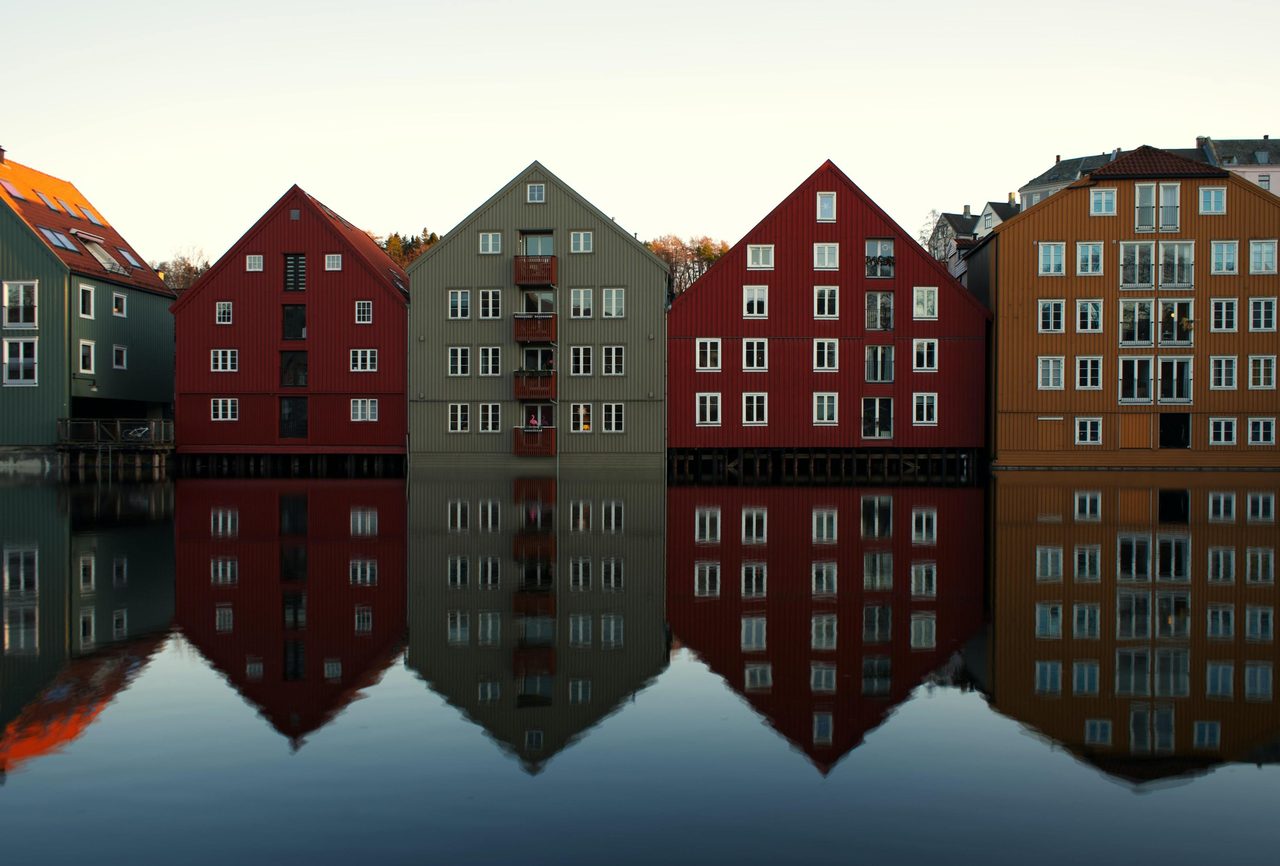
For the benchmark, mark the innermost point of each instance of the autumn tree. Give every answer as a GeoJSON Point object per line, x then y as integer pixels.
{"type": "Point", "coordinates": [687, 259]}
{"type": "Point", "coordinates": [403, 249]}
{"type": "Point", "coordinates": [180, 271]}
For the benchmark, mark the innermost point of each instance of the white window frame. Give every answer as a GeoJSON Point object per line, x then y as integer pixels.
{"type": "Point", "coordinates": [1267, 307]}
{"type": "Point", "coordinates": [757, 295]}
{"type": "Point", "coordinates": [825, 349]}
{"type": "Point", "coordinates": [826, 256]}
{"type": "Point", "coordinates": [1256, 247]}
{"type": "Point", "coordinates": [224, 360]}
{"type": "Point", "coordinates": [1219, 368]}
{"type": "Point", "coordinates": [928, 402]}
{"type": "Point", "coordinates": [1222, 431]}
{"type": "Point", "coordinates": [930, 349]}
{"type": "Point", "coordinates": [581, 303]}
{"type": "Point", "coordinates": [221, 307]}
{"type": "Point", "coordinates": [1262, 431]}
{"type": "Point", "coordinates": [1258, 364]}
{"type": "Point", "coordinates": [92, 292]}
{"type": "Point", "coordinates": [1211, 210]}
{"type": "Point", "coordinates": [364, 312]}
{"type": "Point", "coordinates": [459, 361]}
{"type": "Point", "coordinates": [1220, 309]}
{"type": "Point", "coordinates": [459, 305]}
{"type": "Point", "coordinates": [535, 193]}
{"type": "Point", "coordinates": [1048, 364]}
{"type": "Point", "coordinates": [119, 357]}
{"type": "Point", "coordinates": [253, 263]}
{"type": "Point", "coordinates": [93, 357]}
{"type": "Point", "coordinates": [581, 361]}
{"type": "Point", "coordinates": [1049, 264]}
{"type": "Point", "coordinates": [924, 303]}
{"type": "Point", "coordinates": [613, 361]}
{"type": "Point", "coordinates": [333, 261]}
{"type": "Point", "coordinates": [755, 399]}
{"type": "Point", "coordinates": [364, 360]}
{"type": "Point", "coordinates": [1086, 322]}
{"type": "Point", "coordinates": [1215, 260]}
{"type": "Point", "coordinates": [490, 243]}
{"type": "Point", "coordinates": [822, 400]}
{"type": "Point", "coordinates": [759, 257]}
{"type": "Point", "coordinates": [580, 418]}
{"type": "Point", "coordinates": [490, 304]}
{"type": "Point", "coordinates": [613, 418]}
{"type": "Point", "coordinates": [832, 295]}
{"type": "Point", "coordinates": [1092, 364]}
{"type": "Point", "coordinates": [1090, 266]}
{"type": "Point", "coordinates": [459, 418]}
{"type": "Point", "coordinates": [123, 311]}
{"type": "Point", "coordinates": [1088, 430]}
{"type": "Point", "coordinates": [707, 410]}
{"type": "Point", "coordinates": [490, 418]}
{"type": "Point", "coordinates": [1099, 198]}
{"type": "Point", "coordinates": [364, 409]}
{"type": "Point", "coordinates": [613, 303]}
{"type": "Point", "coordinates": [820, 199]}
{"type": "Point", "coordinates": [224, 409]}
{"type": "Point", "coordinates": [581, 243]}
{"type": "Point", "coordinates": [709, 343]}
{"type": "Point", "coordinates": [749, 347]}
{"type": "Point", "coordinates": [490, 361]}
{"type": "Point", "coordinates": [18, 286]}
{"type": "Point", "coordinates": [1056, 310]}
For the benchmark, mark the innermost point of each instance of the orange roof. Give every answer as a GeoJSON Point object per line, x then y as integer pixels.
{"type": "Point", "coordinates": [1148, 161]}
{"type": "Point", "coordinates": [73, 229]}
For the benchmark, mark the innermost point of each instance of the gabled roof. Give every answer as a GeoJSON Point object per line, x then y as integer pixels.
{"type": "Point", "coordinates": [1152, 162]}
{"type": "Point", "coordinates": [1004, 209]}
{"type": "Point", "coordinates": [537, 167]}
{"type": "Point", "coordinates": [961, 224]}
{"type": "Point", "coordinates": [1068, 170]}
{"type": "Point", "coordinates": [57, 212]}
{"type": "Point", "coordinates": [1246, 151]}
{"type": "Point", "coordinates": [372, 257]}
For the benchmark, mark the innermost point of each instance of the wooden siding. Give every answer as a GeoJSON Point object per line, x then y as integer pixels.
{"type": "Point", "coordinates": [616, 261]}
{"type": "Point", "coordinates": [257, 333]}
{"type": "Point", "coordinates": [713, 308]}
{"type": "Point", "coordinates": [146, 332]}
{"type": "Point", "coordinates": [1129, 431]}
{"type": "Point", "coordinates": [1036, 509]}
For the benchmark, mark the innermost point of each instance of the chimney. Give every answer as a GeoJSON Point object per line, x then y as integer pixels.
{"type": "Point", "coordinates": [1, 156]}
{"type": "Point", "coordinates": [966, 211]}
{"type": "Point", "coordinates": [1057, 159]}
{"type": "Point", "coordinates": [1264, 138]}
{"type": "Point", "coordinates": [1012, 198]}
{"type": "Point", "coordinates": [1115, 154]}
{"type": "Point", "coordinates": [1201, 140]}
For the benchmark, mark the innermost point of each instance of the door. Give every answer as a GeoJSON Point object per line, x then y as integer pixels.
{"type": "Point", "coordinates": [1175, 430]}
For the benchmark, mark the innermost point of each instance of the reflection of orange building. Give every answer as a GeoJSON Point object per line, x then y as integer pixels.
{"type": "Point", "coordinates": [1134, 616]}
{"type": "Point", "coordinates": [824, 607]}
{"type": "Point", "coordinates": [294, 589]}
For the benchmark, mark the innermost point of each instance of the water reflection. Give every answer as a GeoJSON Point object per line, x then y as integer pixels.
{"type": "Point", "coordinates": [824, 608]}
{"type": "Point", "coordinates": [537, 603]}
{"type": "Point", "coordinates": [87, 599]}
{"type": "Point", "coordinates": [1134, 617]}
{"type": "Point", "coordinates": [293, 590]}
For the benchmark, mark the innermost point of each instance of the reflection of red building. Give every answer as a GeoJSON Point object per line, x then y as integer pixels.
{"type": "Point", "coordinates": [72, 702]}
{"type": "Point", "coordinates": [295, 590]}
{"type": "Point", "coordinates": [824, 607]}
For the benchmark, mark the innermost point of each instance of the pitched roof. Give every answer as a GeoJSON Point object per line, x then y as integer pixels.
{"type": "Point", "coordinates": [64, 221]}
{"type": "Point", "coordinates": [961, 224]}
{"type": "Point", "coordinates": [1153, 162]}
{"type": "Point", "coordinates": [1004, 209]}
{"type": "Point", "coordinates": [1072, 169]}
{"type": "Point", "coordinates": [1246, 151]}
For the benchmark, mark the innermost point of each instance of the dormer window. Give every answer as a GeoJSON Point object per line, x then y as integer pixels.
{"type": "Point", "coordinates": [536, 193]}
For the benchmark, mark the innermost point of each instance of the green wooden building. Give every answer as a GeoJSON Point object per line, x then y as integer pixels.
{"type": "Point", "coordinates": [85, 325]}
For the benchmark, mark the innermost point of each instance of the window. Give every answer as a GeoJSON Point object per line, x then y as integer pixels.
{"type": "Point", "coordinates": [1050, 373]}
{"type": "Point", "coordinates": [579, 360]}
{"type": "Point", "coordinates": [86, 301]}
{"type": "Point", "coordinates": [822, 631]}
{"type": "Point", "coordinates": [613, 361]}
{"type": "Point", "coordinates": [1088, 431]}
{"type": "Point", "coordinates": [86, 356]}
{"type": "Point", "coordinates": [1260, 565]}
{"type": "Point", "coordinates": [822, 677]}
{"type": "Point", "coordinates": [755, 410]}
{"type": "Point", "coordinates": [1257, 681]}
{"type": "Point", "coordinates": [1262, 431]}
{"type": "Point", "coordinates": [536, 193]}
{"type": "Point", "coordinates": [1177, 265]}
{"type": "Point", "coordinates": [20, 363]}
{"type": "Point", "coordinates": [754, 638]}
{"type": "Point", "coordinates": [877, 417]}
{"type": "Point", "coordinates": [708, 410]}
{"type": "Point", "coordinates": [611, 573]}
{"type": "Point", "coordinates": [924, 579]}
{"type": "Point", "coordinates": [459, 417]}
{"type": "Point", "coordinates": [491, 303]}
{"type": "Point", "coordinates": [1262, 257]}
{"type": "Point", "coordinates": [877, 571]}
{"type": "Point", "coordinates": [1133, 614]}
{"type": "Point", "coordinates": [364, 360]}
{"type": "Point", "coordinates": [1137, 265]}
{"type": "Point", "coordinates": [755, 302]}
{"type": "Point", "coordinates": [1222, 565]}
{"type": "Point", "coordinates": [1222, 507]}
{"type": "Point", "coordinates": [1133, 558]}
{"type": "Point", "coordinates": [1048, 564]}
{"type": "Point", "coordinates": [459, 360]}
{"type": "Point", "coordinates": [580, 303]}
{"type": "Point", "coordinates": [755, 525]}
{"type": "Point", "coordinates": [580, 242]}
{"type": "Point", "coordinates": [579, 417]}
{"type": "Point", "coordinates": [1086, 622]}
{"type": "Point", "coordinates": [253, 263]}
{"type": "Point", "coordinates": [879, 363]}
{"type": "Point", "coordinates": [823, 579]}
{"type": "Point", "coordinates": [1258, 623]}
{"type": "Point", "coordinates": [1222, 431]}
{"type": "Point", "coordinates": [1219, 677]}
{"type": "Point", "coordinates": [295, 272]}
{"type": "Point", "coordinates": [706, 525]}
{"type": "Point", "coordinates": [459, 303]}
{"type": "Point", "coordinates": [755, 355]}
{"type": "Point", "coordinates": [1051, 264]}
{"type": "Point", "coordinates": [826, 207]}
{"type": "Point", "coordinates": [1262, 372]}
{"type": "Point", "coordinates": [458, 572]}
{"type": "Point", "coordinates": [1175, 380]}
{"type": "Point", "coordinates": [877, 623]}
{"type": "Point", "coordinates": [490, 417]}
{"type": "Point", "coordinates": [1207, 735]}
{"type": "Point", "coordinates": [760, 257]}
{"type": "Point", "coordinates": [1169, 195]}
{"type": "Point", "coordinates": [1089, 317]}
{"type": "Point", "coordinates": [926, 410]}
{"type": "Point", "coordinates": [1088, 373]}
{"type": "Point", "coordinates": [1264, 181]}
{"type": "Point", "coordinates": [490, 243]}
{"type": "Point", "coordinates": [1222, 372]}
{"type": "Point", "coordinates": [364, 522]}
{"type": "Point", "coordinates": [1223, 257]}
{"type": "Point", "coordinates": [613, 418]}
{"type": "Point", "coordinates": [826, 302]}
{"type": "Point", "coordinates": [1089, 259]}
{"type": "Point", "coordinates": [754, 580]}
{"type": "Point", "coordinates": [825, 409]}
{"type": "Point", "coordinates": [1102, 202]}
{"type": "Point", "coordinates": [708, 354]}
{"type": "Point", "coordinates": [1048, 677]}
{"type": "Point", "coordinates": [20, 305]}
{"type": "Point", "coordinates": [224, 409]}
{"type": "Point", "coordinates": [224, 360]}
{"type": "Point", "coordinates": [1088, 505]}
{"type": "Point", "coordinates": [1097, 732]}
{"type": "Point", "coordinates": [879, 311]}
{"type": "Point", "coordinates": [119, 357]}
{"type": "Point", "coordinates": [490, 361]}
{"type": "Point", "coordinates": [1135, 322]}
{"type": "Point", "coordinates": [1051, 317]}
{"type": "Point", "coordinates": [1213, 200]}
{"type": "Point", "coordinates": [1088, 563]}
{"type": "Point", "coordinates": [826, 355]}
{"type": "Point", "coordinates": [824, 525]}
{"type": "Point", "coordinates": [614, 303]}
{"type": "Point", "coordinates": [1261, 507]}
{"type": "Point", "coordinates": [1262, 314]}
{"type": "Point", "coordinates": [1084, 678]}
{"type": "Point", "coordinates": [926, 302]}
{"type": "Point", "coordinates": [333, 261]}
{"type": "Point", "coordinates": [880, 258]}
{"type": "Point", "coordinates": [1135, 380]}
{"type": "Point", "coordinates": [826, 257]}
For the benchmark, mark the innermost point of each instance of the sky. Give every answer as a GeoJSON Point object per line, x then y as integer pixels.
{"type": "Point", "coordinates": [183, 122]}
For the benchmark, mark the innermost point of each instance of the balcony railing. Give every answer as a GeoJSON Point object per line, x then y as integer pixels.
{"type": "Point", "coordinates": [535, 270]}
{"type": "Point", "coordinates": [534, 441]}
{"type": "Point", "coordinates": [535, 385]}
{"type": "Point", "coordinates": [117, 432]}
{"type": "Point", "coordinates": [534, 546]}
{"type": "Point", "coordinates": [535, 327]}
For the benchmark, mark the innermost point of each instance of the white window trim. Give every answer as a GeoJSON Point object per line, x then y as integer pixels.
{"type": "Point", "coordinates": [1089, 419]}
{"type": "Point", "coordinates": [826, 247]}
{"type": "Point", "coordinates": [93, 301]}
{"type": "Point", "coordinates": [529, 193]}
{"type": "Point", "coordinates": [4, 306]}
{"type": "Point", "coordinates": [1093, 194]}
{"type": "Point", "coordinates": [1040, 386]}
{"type": "Point", "coordinates": [915, 303]}
{"type": "Point", "coordinates": [1200, 197]}
{"type": "Point", "coordinates": [834, 421]}
{"type": "Point", "coordinates": [1102, 257]}
{"type": "Point", "coordinates": [1061, 304]}
{"type": "Point", "coordinates": [758, 423]}
{"type": "Point", "coordinates": [1272, 440]}
{"type": "Point", "coordinates": [494, 248]}
{"type": "Point", "coordinates": [915, 422]}
{"type": "Point", "coordinates": [253, 263]}
{"type": "Point", "coordinates": [333, 261]}
{"type": "Point", "coordinates": [1252, 358]}
{"type": "Point", "coordinates": [818, 207]}
{"type": "Point", "coordinates": [697, 402]}
{"type": "Point", "coordinates": [764, 294]}
{"type": "Point", "coordinates": [4, 365]}
{"type": "Point", "coordinates": [1263, 330]}
{"type": "Point", "coordinates": [230, 312]}
{"type": "Point", "coordinates": [1235, 372]}
{"type": "Point", "coordinates": [762, 248]}
{"type": "Point", "coordinates": [125, 357]}
{"type": "Point", "coordinates": [576, 245]}
{"type": "Point", "coordinates": [751, 340]}
{"type": "Point", "coordinates": [915, 346]}
{"type": "Point", "coordinates": [1233, 426]}
{"type": "Point", "coordinates": [1235, 259]}
{"type": "Point", "coordinates": [697, 355]}
{"type": "Point", "coordinates": [369, 320]}
{"type": "Point", "coordinates": [1040, 247]}
{"type": "Point", "coordinates": [124, 306]}
{"type": "Point", "coordinates": [93, 357]}
{"type": "Point", "coordinates": [1263, 243]}
{"type": "Point", "coordinates": [1097, 387]}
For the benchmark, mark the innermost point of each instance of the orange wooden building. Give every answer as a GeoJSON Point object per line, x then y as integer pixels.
{"type": "Point", "coordinates": [1135, 320]}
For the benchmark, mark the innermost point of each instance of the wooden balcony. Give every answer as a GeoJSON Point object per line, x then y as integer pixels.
{"type": "Point", "coordinates": [533, 545]}
{"type": "Point", "coordinates": [535, 385]}
{"type": "Point", "coordinates": [534, 441]}
{"type": "Point", "coordinates": [535, 327]}
{"type": "Point", "coordinates": [535, 490]}
{"type": "Point", "coordinates": [533, 660]}
{"type": "Point", "coordinates": [535, 270]}
{"type": "Point", "coordinates": [144, 433]}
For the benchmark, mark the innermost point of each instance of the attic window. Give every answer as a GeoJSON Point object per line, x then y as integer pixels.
{"type": "Point", "coordinates": [58, 239]}
{"type": "Point", "coordinates": [1263, 157]}
{"type": "Point", "coordinates": [295, 214]}
{"type": "Point", "coordinates": [129, 257]}
{"type": "Point", "coordinates": [44, 198]}
{"type": "Point", "coordinates": [104, 258]}
{"type": "Point", "coordinates": [70, 209]}
{"type": "Point", "coordinates": [333, 261]}
{"type": "Point", "coordinates": [536, 193]}
{"type": "Point", "coordinates": [12, 190]}
{"type": "Point", "coordinates": [93, 218]}
{"type": "Point", "coordinates": [253, 263]}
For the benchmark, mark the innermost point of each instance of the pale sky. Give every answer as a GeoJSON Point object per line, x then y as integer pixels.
{"type": "Point", "coordinates": [183, 122]}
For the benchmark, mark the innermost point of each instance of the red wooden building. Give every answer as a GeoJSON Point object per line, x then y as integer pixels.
{"type": "Point", "coordinates": [825, 607]}
{"type": "Point", "coordinates": [294, 590]}
{"type": "Point", "coordinates": [293, 343]}
{"type": "Point", "coordinates": [827, 330]}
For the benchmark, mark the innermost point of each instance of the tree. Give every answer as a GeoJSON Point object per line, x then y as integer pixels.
{"type": "Point", "coordinates": [180, 271]}
{"type": "Point", "coordinates": [403, 249]}
{"type": "Point", "coordinates": [926, 229]}
{"type": "Point", "coordinates": [689, 259]}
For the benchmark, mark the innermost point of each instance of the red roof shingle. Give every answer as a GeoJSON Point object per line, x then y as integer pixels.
{"type": "Point", "coordinates": [1152, 162]}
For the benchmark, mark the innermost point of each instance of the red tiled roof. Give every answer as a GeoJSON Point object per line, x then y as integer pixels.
{"type": "Point", "coordinates": [76, 223]}
{"type": "Point", "coordinates": [1152, 162]}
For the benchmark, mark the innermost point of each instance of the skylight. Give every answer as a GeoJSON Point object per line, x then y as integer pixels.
{"type": "Point", "coordinates": [129, 257]}
{"type": "Point", "coordinates": [58, 239]}
{"type": "Point", "coordinates": [93, 218]}
{"type": "Point", "coordinates": [104, 258]}
{"type": "Point", "coordinates": [69, 209]}
{"type": "Point", "coordinates": [44, 198]}
{"type": "Point", "coordinates": [12, 190]}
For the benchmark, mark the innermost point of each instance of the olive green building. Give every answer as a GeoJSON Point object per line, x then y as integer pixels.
{"type": "Point", "coordinates": [537, 333]}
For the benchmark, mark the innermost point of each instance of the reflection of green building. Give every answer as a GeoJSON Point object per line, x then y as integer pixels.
{"type": "Point", "coordinates": [537, 605]}
{"type": "Point", "coordinates": [86, 587]}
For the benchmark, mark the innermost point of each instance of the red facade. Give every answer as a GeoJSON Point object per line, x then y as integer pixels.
{"type": "Point", "coordinates": [825, 622]}
{"type": "Point", "coordinates": [827, 209]}
{"type": "Point", "coordinates": [298, 386]}
{"type": "Point", "coordinates": [294, 590]}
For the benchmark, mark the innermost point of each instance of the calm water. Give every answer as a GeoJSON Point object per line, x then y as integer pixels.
{"type": "Point", "coordinates": [491, 669]}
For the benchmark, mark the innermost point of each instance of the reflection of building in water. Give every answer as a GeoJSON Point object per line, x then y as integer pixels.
{"type": "Point", "coordinates": [824, 607]}
{"type": "Point", "coordinates": [536, 604]}
{"type": "Point", "coordinates": [86, 576]}
{"type": "Point", "coordinates": [1135, 616]}
{"type": "Point", "coordinates": [294, 590]}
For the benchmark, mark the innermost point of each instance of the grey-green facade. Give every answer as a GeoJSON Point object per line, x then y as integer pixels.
{"type": "Point", "coordinates": [470, 348]}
